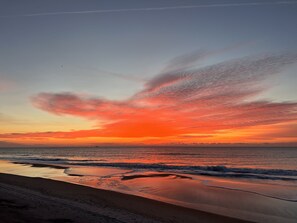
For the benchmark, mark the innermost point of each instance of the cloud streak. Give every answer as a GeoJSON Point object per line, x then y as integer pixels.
{"type": "Point", "coordinates": [104, 11]}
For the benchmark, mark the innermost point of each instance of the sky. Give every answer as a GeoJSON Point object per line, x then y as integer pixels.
{"type": "Point", "coordinates": [83, 72]}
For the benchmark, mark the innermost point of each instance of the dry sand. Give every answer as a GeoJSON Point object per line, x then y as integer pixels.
{"type": "Point", "coordinates": [27, 199]}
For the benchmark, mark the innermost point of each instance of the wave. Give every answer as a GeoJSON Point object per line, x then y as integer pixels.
{"type": "Point", "coordinates": [220, 171]}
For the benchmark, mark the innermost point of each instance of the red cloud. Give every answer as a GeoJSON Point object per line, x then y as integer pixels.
{"type": "Point", "coordinates": [201, 101]}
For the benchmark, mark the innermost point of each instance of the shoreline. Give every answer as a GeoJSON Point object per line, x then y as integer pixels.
{"type": "Point", "coordinates": [109, 202]}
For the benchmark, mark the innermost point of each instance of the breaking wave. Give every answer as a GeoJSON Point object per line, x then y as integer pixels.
{"type": "Point", "coordinates": [220, 171]}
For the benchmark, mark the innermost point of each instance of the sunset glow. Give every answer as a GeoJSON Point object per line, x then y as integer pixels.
{"type": "Point", "coordinates": [226, 92]}
{"type": "Point", "coordinates": [213, 103]}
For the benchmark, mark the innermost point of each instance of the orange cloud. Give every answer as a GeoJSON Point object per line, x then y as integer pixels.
{"type": "Point", "coordinates": [182, 101]}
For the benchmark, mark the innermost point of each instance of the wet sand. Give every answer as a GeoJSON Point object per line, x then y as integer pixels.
{"type": "Point", "coordinates": [27, 199]}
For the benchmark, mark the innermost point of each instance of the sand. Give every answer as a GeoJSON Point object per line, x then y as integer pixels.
{"type": "Point", "coordinates": [28, 199]}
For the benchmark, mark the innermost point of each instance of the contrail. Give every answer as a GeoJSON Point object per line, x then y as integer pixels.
{"type": "Point", "coordinates": [153, 9]}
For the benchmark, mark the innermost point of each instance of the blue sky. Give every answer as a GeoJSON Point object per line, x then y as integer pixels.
{"type": "Point", "coordinates": [61, 50]}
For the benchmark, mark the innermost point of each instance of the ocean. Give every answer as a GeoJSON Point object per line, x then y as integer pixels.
{"type": "Point", "coordinates": [258, 184]}
{"type": "Point", "coordinates": [263, 162]}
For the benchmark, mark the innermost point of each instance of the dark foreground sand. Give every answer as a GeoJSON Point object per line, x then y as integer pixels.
{"type": "Point", "coordinates": [26, 199]}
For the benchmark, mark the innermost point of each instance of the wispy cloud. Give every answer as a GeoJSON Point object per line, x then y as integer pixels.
{"type": "Point", "coordinates": [127, 77]}
{"type": "Point", "coordinates": [103, 11]}
{"type": "Point", "coordinates": [203, 101]}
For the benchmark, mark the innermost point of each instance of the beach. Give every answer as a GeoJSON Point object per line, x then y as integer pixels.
{"type": "Point", "coordinates": [28, 199]}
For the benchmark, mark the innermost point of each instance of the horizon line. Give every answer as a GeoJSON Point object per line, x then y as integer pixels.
{"type": "Point", "coordinates": [198, 145]}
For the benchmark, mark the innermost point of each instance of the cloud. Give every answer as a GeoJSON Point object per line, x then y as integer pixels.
{"type": "Point", "coordinates": [78, 105]}
{"type": "Point", "coordinates": [123, 10]}
{"type": "Point", "coordinates": [225, 77]}
{"type": "Point", "coordinates": [206, 101]}
{"type": "Point", "coordinates": [127, 77]}
{"type": "Point", "coordinates": [280, 131]}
